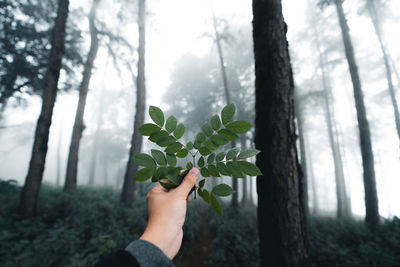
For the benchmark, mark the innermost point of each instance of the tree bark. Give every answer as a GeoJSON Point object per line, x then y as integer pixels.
{"type": "Point", "coordinates": [377, 26]}
{"type": "Point", "coordinates": [235, 185]}
{"type": "Point", "coordinates": [127, 195]}
{"type": "Point", "coordinates": [72, 164]}
{"type": "Point", "coordinates": [371, 197]}
{"type": "Point", "coordinates": [281, 220]}
{"type": "Point", "coordinates": [31, 188]}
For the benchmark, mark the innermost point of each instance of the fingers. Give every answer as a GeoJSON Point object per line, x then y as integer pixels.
{"type": "Point", "coordinates": [188, 182]}
{"type": "Point", "coordinates": [188, 199]}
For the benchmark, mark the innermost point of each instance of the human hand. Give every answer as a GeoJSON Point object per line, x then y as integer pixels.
{"type": "Point", "coordinates": [167, 212]}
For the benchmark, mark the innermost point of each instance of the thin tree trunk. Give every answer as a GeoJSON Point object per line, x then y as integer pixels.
{"type": "Point", "coordinates": [245, 197]}
{"type": "Point", "coordinates": [341, 196]}
{"type": "Point", "coordinates": [377, 26]}
{"type": "Point", "coordinates": [127, 195]}
{"type": "Point", "coordinates": [31, 189]}
{"type": "Point", "coordinates": [310, 172]}
{"type": "Point", "coordinates": [59, 154]}
{"type": "Point", "coordinates": [72, 164]}
{"type": "Point", "coordinates": [303, 158]}
{"type": "Point", "coordinates": [281, 220]}
{"type": "Point", "coordinates": [105, 170]}
{"type": "Point", "coordinates": [235, 196]}
{"type": "Point", "coordinates": [371, 197]}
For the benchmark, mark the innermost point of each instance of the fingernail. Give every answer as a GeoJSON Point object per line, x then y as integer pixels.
{"type": "Point", "coordinates": [195, 172]}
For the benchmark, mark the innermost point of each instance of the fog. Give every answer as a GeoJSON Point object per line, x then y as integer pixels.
{"type": "Point", "coordinates": [182, 69]}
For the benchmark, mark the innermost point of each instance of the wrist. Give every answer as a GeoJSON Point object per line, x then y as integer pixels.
{"type": "Point", "coordinates": [156, 238]}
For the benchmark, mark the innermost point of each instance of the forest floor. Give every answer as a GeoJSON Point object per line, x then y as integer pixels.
{"type": "Point", "coordinates": [78, 229]}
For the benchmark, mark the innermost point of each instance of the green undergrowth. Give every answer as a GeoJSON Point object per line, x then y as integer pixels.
{"type": "Point", "coordinates": [78, 229]}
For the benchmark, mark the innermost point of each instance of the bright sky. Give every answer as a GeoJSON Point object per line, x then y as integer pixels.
{"type": "Point", "coordinates": [175, 27]}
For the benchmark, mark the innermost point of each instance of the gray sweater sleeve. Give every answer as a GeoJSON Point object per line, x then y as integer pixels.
{"type": "Point", "coordinates": [148, 255]}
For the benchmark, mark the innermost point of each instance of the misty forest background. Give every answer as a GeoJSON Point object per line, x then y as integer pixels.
{"type": "Point", "coordinates": [320, 86]}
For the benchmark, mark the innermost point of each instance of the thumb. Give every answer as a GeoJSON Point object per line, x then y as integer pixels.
{"type": "Point", "coordinates": [188, 182]}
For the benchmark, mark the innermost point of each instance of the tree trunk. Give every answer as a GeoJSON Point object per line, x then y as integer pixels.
{"type": "Point", "coordinates": [31, 189]}
{"type": "Point", "coordinates": [371, 197]}
{"type": "Point", "coordinates": [245, 198]}
{"type": "Point", "coordinates": [303, 157]}
{"type": "Point", "coordinates": [341, 196]}
{"type": "Point", "coordinates": [127, 195]}
{"type": "Point", "coordinates": [59, 154]}
{"type": "Point", "coordinates": [310, 172]}
{"type": "Point", "coordinates": [235, 195]}
{"type": "Point", "coordinates": [281, 220]}
{"type": "Point", "coordinates": [377, 26]}
{"type": "Point", "coordinates": [72, 164]}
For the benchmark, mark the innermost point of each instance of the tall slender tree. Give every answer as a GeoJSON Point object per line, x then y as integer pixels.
{"type": "Point", "coordinates": [303, 158]}
{"type": "Point", "coordinates": [218, 38]}
{"type": "Point", "coordinates": [371, 196]}
{"type": "Point", "coordinates": [31, 188]}
{"type": "Point", "coordinates": [343, 207]}
{"type": "Point", "coordinates": [376, 21]}
{"type": "Point", "coordinates": [72, 164]}
{"type": "Point", "coordinates": [281, 220]}
{"type": "Point", "coordinates": [127, 195]}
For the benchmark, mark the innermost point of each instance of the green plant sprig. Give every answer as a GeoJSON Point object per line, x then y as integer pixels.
{"type": "Point", "coordinates": [161, 167]}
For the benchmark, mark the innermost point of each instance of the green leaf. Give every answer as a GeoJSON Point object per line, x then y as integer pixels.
{"type": "Point", "coordinates": [219, 140]}
{"type": "Point", "coordinates": [227, 113]}
{"type": "Point", "coordinates": [204, 172]}
{"type": "Point", "coordinates": [144, 174]}
{"type": "Point", "coordinates": [248, 153]}
{"type": "Point", "coordinates": [145, 160]}
{"type": "Point", "coordinates": [204, 194]}
{"type": "Point", "coordinates": [204, 151]}
{"type": "Point", "coordinates": [211, 158]}
{"type": "Point", "coordinates": [166, 141]}
{"type": "Point", "coordinates": [228, 134]}
{"type": "Point", "coordinates": [239, 127]}
{"type": "Point", "coordinates": [167, 184]}
{"type": "Point", "coordinates": [215, 122]}
{"type": "Point", "coordinates": [170, 125]}
{"type": "Point", "coordinates": [213, 171]}
{"type": "Point", "coordinates": [148, 128]}
{"type": "Point", "coordinates": [215, 205]}
{"type": "Point", "coordinates": [207, 129]}
{"type": "Point", "coordinates": [159, 157]}
{"type": "Point", "coordinates": [160, 173]}
{"type": "Point", "coordinates": [173, 175]}
{"type": "Point", "coordinates": [221, 167]}
{"type": "Point", "coordinates": [189, 145]}
{"type": "Point", "coordinates": [196, 145]}
{"type": "Point", "coordinates": [222, 190]}
{"type": "Point", "coordinates": [201, 183]}
{"type": "Point", "coordinates": [234, 169]}
{"type": "Point", "coordinates": [200, 162]}
{"type": "Point", "coordinates": [154, 137]}
{"type": "Point", "coordinates": [171, 160]}
{"type": "Point", "coordinates": [249, 168]}
{"type": "Point", "coordinates": [210, 145]}
{"type": "Point", "coordinates": [182, 153]}
{"type": "Point", "coordinates": [200, 138]}
{"type": "Point", "coordinates": [173, 148]}
{"type": "Point", "coordinates": [232, 153]}
{"type": "Point", "coordinates": [156, 115]}
{"type": "Point", "coordinates": [189, 165]}
{"type": "Point", "coordinates": [179, 131]}
{"type": "Point", "coordinates": [220, 156]}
